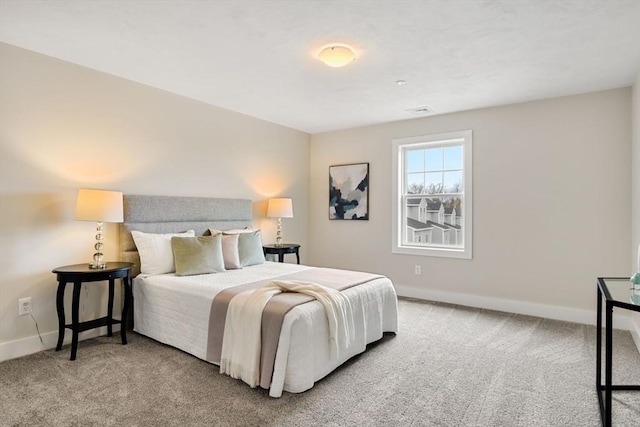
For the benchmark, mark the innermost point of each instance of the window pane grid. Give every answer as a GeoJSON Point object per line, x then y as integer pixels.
{"type": "Point", "coordinates": [431, 180]}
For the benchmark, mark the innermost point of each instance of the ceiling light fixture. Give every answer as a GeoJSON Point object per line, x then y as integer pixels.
{"type": "Point", "coordinates": [336, 56]}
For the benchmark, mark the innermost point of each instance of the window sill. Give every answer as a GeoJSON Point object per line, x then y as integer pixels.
{"type": "Point", "coordinates": [433, 252]}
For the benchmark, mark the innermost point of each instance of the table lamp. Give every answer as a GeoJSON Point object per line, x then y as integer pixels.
{"type": "Point", "coordinates": [280, 208]}
{"type": "Point", "coordinates": [99, 206]}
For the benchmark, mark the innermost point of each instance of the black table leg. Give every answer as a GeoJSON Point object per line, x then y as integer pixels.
{"type": "Point", "coordinates": [128, 297]}
{"type": "Point", "coordinates": [75, 315]}
{"type": "Point", "coordinates": [280, 256]}
{"type": "Point", "coordinates": [599, 354]}
{"type": "Point", "coordinates": [297, 256]}
{"type": "Point", "coordinates": [60, 309]}
{"type": "Point", "coordinates": [608, 364]}
{"type": "Point", "coordinates": [110, 309]}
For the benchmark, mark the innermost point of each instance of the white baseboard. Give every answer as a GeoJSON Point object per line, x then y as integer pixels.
{"type": "Point", "coordinates": [566, 314]}
{"type": "Point", "coordinates": [29, 345]}
{"type": "Point", "coordinates": [22, 347]}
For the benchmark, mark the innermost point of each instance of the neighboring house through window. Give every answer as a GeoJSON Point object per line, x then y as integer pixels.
{"type": "Point", "coordinates": [432, 195]}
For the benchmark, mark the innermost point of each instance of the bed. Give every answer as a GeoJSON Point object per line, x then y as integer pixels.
{"type": "Point", "coordinates": [177, 310]}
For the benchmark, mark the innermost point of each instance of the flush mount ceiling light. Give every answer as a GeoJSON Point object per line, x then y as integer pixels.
{"type": "Point", "coordinates": [336, 56]}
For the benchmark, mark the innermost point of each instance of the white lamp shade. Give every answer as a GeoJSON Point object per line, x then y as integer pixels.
{"type": "Point", "coordinates": [99, 206]}
{"type": "Point", "coordinates": [280, 208]}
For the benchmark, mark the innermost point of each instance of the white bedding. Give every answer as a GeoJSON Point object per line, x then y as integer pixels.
{"type": "Point", "coordinates": [175, 311]}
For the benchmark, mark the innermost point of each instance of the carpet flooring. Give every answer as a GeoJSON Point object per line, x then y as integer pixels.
{"type": "Point", "coordinates": [448, 366]}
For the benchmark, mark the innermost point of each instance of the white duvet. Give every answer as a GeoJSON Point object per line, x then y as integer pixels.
{"type": "Point", "coordinates": [175, 311]}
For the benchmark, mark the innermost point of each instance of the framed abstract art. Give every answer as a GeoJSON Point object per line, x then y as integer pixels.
{"type": "Point", "coordinates": [349, 191]}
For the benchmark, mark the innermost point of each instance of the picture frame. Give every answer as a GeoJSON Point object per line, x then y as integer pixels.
{"type": "Point", "coordinates": [349, 192]}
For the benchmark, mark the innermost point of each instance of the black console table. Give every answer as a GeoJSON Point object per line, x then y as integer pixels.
{"type": "Point", "coordinates": [623, 299]}
{"type": "Point", "coordinates": [82, 273]}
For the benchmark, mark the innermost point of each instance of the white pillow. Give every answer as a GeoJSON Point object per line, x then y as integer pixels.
{"type": "Point", "coordinates": [156, 255]}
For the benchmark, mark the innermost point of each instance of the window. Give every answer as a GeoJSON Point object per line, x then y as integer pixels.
{"type": "Point", "coordinates": [432, 195]}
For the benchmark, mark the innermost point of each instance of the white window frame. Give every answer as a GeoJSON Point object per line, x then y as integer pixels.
{"type": "Point", "coordinates": [399, 146]}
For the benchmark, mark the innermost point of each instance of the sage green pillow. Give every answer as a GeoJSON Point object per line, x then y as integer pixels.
{"type": "Point", "coordinates": [250, 248]}
{"type": "Point", "coordinates": [197, 255]}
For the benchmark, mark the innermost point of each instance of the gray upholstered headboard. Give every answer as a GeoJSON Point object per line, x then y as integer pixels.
{"type": "Point", "coordinates": [169, 214]}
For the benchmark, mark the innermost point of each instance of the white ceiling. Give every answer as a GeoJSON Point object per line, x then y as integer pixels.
{"type": "Point", "coordinates": [259, 57]}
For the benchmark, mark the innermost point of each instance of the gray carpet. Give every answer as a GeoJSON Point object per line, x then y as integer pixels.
{"type": "Point", "coordinates": [448, 366]}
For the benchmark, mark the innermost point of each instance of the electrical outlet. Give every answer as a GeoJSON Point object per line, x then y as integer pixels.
{"type": "Point", "coordinates": [24, 306]}
{"type": "Point", "coordinates": [417, 270]}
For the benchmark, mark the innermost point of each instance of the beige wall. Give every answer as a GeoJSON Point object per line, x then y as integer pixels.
{"type": "Point", "coordinates": [551, 183]}
{"type": "Point", "coordinates": [64, 127]}
{"type": "Point", "coordinates": [635, 193]}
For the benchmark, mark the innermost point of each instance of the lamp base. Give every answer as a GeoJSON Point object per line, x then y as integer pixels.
{"type": "Point", "coordinates": [97, 263]}
{"type": "Point", "coordinates": [279, 233]}
{"type": "Point", "coordinates": [101, 266]}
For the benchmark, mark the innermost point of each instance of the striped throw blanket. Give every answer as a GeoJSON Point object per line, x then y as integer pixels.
{"type": "Point", "coordinates": [241, 345]}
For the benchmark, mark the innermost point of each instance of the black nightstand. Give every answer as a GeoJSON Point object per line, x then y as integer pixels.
{"type": "Point", "coordinates": [280, 250]}
{"type": "Point", "coordinates": [78, 274]}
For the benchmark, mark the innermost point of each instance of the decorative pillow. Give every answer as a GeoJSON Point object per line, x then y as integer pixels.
{"type": "Point", "coordinates": [230, 246]}
{"type": "Point", "coordinates": [250, 248]}
{"type": "Point", "coordinates": [213, 231]}
{"type": "Point", "coordinates": [197, 255]}
{"type": "Point", "coordinates": [230, 251]}
{"type": "Point", "coordinates": [156, 256]}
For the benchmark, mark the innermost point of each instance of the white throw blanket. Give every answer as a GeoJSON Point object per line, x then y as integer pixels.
{"type": "Point", "coordinates": [241, 344]}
